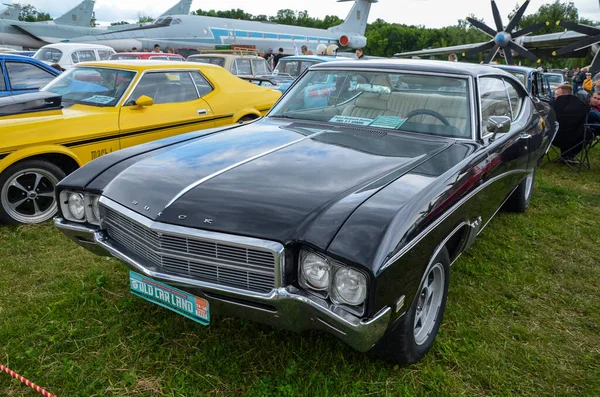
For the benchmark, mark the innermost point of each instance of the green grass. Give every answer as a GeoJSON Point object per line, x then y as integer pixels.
{"type": "Point", "coordinates": [523, 318]}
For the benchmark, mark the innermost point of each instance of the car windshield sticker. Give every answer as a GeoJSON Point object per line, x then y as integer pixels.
{"type": "Point", "coordinates": [350, 120]}
{"type": "Point", "coordinates": [387, 122]}
{"type": "Point", "coordinates": [101, 99]}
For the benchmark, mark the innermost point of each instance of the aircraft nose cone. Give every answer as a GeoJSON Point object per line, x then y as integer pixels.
{"type": "Point", "coordinates": [502, 39]}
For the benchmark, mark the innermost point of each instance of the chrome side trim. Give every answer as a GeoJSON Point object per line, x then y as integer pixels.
{"type": "Point", "coordinates": [429, 228]}
{"type": "Point", "coordinates": [240, 163]}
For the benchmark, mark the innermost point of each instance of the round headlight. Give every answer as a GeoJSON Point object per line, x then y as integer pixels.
{"type": "Point", "coordinates": [316, 271]}
{"type": "Point", "coordinates": [349, 287]}
{"type": "Point", "coordinates": [76, 205]}
{"type": "Point", "coordinates": [96, 207]}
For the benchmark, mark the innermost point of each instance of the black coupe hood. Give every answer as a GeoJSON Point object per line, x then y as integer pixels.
{"type": "Point", "coordinates": [266, 179]}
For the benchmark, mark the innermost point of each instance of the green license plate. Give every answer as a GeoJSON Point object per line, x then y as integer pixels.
{"type": "Point", "coordinates": [172, 298]}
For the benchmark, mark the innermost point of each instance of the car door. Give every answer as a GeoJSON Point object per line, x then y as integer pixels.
{"type": "Point", "coordinates": [508, 152]}
{"type": "Point", "coordinates": [542, 87]}
{"type": "Point", "coordinates": [177, 107]}
{"type": "Point", "coordinates": [25, 77]}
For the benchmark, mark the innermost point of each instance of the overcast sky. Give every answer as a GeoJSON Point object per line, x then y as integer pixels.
{"type": "Point", "coordinates": [430, 13]}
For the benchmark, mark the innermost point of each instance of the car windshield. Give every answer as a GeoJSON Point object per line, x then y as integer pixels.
{"type": "Point", "coordinates": [91, 86]}
{"type": "Point", "coordinates": [519, 75]}
{"type": "Point", "coordinates": [212, 60]}
{"type": "Point", "coordinates": [555, 78]}
{"type": "Point", "coordinates": [292, 67]}
{"type": "Point", "coordinates": [421, 103]}
{"type": "Point", "coordinates": [48, 55]}
{"type": "Point", "coordinates": [122, 57]}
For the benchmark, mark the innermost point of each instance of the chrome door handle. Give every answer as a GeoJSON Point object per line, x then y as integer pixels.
{"type": "Point", "coordinates": [524, 136]}
{"type": "Point", "coordinates": [202, 111]}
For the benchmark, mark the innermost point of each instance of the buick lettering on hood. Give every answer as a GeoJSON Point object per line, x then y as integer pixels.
{"type": "Point", "coordinates": [343, 215]}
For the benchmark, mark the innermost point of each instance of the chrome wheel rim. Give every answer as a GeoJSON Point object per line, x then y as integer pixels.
{"type": "Point", "coordinates": [528, 185]}
{"type": "Point", "coordinates": [429, 302]}
{"type": "Point", "coordinates": [28, 196]}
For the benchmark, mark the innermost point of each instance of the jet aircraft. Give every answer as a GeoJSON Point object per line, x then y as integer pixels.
{"type": "Point", "coordinates": [75, 22]}
{"type": "Point", "coordinates": [12, 11]}
{"type": "Point", "coordinates": [193, 31]}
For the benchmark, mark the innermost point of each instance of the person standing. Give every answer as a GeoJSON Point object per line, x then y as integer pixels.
{"type": "Point", "coordinates": [360, 54]}
{"type": "Point", "coordinates": [277, 57]}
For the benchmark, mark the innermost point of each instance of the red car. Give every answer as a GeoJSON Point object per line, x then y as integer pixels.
{"type": "Point", "coordinates": [160, 56]}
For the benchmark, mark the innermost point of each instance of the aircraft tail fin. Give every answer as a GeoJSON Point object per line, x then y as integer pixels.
{"type": "Point", "coordinates": [81, 15]}
{"type": "Point", "coordinates": [181, 8]}
{"type": "Point", "coordinates": [356, 21]}
{"type": "Point", "coordinates": [12, 12]}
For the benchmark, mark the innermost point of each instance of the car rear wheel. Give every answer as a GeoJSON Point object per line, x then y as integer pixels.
{"type": "Point", "coordinates": [27, 192]}
{"type": "Point", "coordinates": [413, 335]}
{"type": "Point", "coordinates": [520, 198]}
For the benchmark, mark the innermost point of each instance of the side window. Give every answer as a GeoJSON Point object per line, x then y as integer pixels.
{"type": "Point", "coordinates": [158, 58]}
{"type": "Point", "coordinates": [243, 67]}
{"type": "Point", "coordinates": [202, 84]}
{"type": "Point", "coordinates": [494, 100]}
{"type": "Point", "coordinates": [74, 58]}
{"type": "Point", "coordinates": [104, 54]}
{"type": "Point", "coordinates": [165, 87]}
{"type": "Point", "coordinates": [2, 83]}
{"type": "Point", "coordinates": [516, 100]}
{"type": "Point", "coordinates": [25, 76]}
{"type": "Point", "coordinates": [86, 56]}
{"type": "Point", "coordinates": [260, 67]}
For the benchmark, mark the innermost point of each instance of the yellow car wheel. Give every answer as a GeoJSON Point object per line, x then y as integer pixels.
{"type": "Point", "coordinates": [27, 192]}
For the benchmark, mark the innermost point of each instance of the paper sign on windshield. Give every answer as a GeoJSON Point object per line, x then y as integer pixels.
{"type": "Point", "coordinates": [351, 120]}
{"type": "Point", "coordinates": [387, 122]}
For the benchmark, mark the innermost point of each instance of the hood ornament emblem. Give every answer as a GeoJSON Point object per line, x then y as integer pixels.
{"type": "Point", "coordinates": [209, 221]}
{"type": "Point", "coordinates": [182, 217]}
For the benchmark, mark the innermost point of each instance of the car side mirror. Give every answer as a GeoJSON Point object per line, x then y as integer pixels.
{"type": "Point", "coordinates": [144, 101]}
{"type": "Point", "coordinates": [498, 125]}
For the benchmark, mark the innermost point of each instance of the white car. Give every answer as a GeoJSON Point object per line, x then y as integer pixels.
{"type": "Point", "coordinates": [69, 54]}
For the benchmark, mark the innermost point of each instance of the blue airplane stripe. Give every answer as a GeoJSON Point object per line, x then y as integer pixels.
{"type": "Point", "coordinates": [256, 34]}
{"type": "Point", "coordinates": [271, 36]}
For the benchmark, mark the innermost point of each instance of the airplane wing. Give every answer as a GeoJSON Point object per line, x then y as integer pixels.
{"type": "Point", "coordinates": [25, 32]}
{"type": "Point", "coordinates": [542, 45]}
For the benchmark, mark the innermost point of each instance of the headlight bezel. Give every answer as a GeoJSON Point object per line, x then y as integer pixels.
{"type": "Point", "coordinates": [90, 201]}
{"type": "Point", "coordinates": [329, 293]}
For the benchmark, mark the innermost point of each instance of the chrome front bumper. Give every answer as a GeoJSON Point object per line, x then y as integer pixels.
{"type": "Point", "coordinates": [285, 307]}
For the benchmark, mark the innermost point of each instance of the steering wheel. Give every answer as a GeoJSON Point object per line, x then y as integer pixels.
{"type": "Point", "coordinates": [428, 112]}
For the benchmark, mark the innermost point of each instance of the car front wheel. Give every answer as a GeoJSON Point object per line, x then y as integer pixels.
{"type": "Point", "coordinates": [27, 192]}
{"type": "Point", "coordinates": [413, 335]}
{"type": "Point", "coordinates": [520, 198]}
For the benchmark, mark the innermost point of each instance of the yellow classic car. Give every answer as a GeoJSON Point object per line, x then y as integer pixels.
{"type": "Point", "coordinates": [99, 107]}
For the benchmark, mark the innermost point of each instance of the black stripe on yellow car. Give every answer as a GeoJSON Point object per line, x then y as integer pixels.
{"type": "Point", "coordinates": [3, 155]}
{"type": "Point", "coordinates": [145, 131]}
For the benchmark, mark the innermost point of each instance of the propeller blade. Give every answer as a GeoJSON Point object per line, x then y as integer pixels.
{"type": "Point", "coordinates": [595, 64]}
{"type": "Point", "coordinates": [517, 17]}
{"type": "Point", "coordinates": [588, 41]}
{"type": "Point", "coordinates": [579, 28]}
{"type": "Point", "coordinates": [482, 26]}
{"type": "Point", "coordinates": [478, 49]}
{"type": "Point", "coordinates": [522, 52]}
{"type": "Point", "coordinates": [529, 29]}
{"type": "Point", "coordinates": [508, 56]}
{"type": "Point", "coordinates": [491, 54]}
{"type": "Point", "coordinates": [497, 18]}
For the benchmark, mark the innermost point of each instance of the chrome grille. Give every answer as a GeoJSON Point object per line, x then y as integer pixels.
{"type": "Point", "coordinates": [193, 257]}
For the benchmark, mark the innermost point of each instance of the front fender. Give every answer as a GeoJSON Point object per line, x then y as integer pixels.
{"type": "Point", "coordinates": [32, 151]}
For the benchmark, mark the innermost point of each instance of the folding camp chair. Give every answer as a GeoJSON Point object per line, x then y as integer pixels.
{"type": "Point", "coordinates": [570, 144]}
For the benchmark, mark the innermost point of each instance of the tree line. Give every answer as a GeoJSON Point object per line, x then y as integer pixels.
{"type": "Point", "coordinates": [386, 39]}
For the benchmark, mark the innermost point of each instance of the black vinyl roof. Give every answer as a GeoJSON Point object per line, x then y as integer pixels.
{"type": "Point", "coordinates": [443, 67]}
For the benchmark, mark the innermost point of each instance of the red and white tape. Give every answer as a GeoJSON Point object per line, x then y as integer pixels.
{"type": "Point", "coordinates": [27, 382]}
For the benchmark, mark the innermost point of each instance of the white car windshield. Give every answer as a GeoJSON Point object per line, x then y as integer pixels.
{"type": "Point", "coordinates": [91, 86]}
{"type": "Point", "coordinates": [555, 78]}
{"type": "Point", "coordinates": [421, 103]}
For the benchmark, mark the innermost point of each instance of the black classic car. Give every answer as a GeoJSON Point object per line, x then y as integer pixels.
{"type": "Point", "coordinates": [342, 214]}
